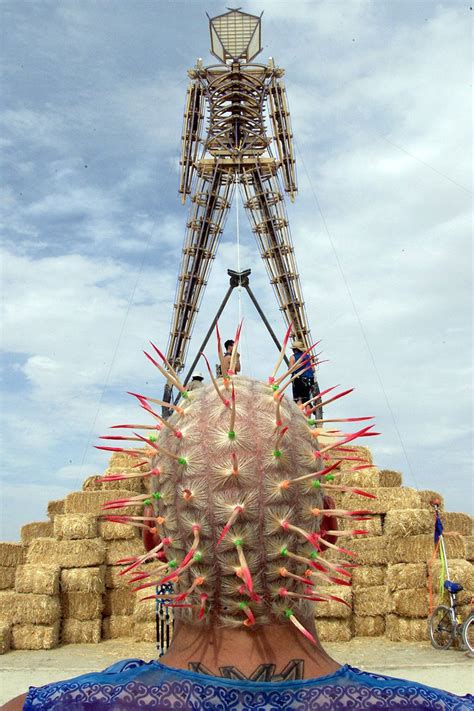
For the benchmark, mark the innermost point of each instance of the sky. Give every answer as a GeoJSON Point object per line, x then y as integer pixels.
{"type": "Point", "coordinates": [92, 225]}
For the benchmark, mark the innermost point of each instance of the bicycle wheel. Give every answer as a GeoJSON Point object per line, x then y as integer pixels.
{"type": "Point", "coordinates": [441, 627]}
{"type": "Point", "coordinates": [468, 633]}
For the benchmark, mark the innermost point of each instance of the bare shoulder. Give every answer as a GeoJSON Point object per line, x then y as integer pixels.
{"type": "Point", "coordinates": [15, 704]}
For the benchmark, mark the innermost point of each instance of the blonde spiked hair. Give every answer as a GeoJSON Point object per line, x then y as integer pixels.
{"type": "Point", "coordinates": [236, 481]}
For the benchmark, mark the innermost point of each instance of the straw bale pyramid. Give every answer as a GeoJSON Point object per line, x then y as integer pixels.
{"type": "Point", "coordinates": [61, 584]}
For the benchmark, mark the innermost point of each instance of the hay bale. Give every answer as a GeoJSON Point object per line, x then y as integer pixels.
{"type": "Point", "coordinates": [93, 483]}
{"type": "Point", "coordinates": [7, 578]}
{"type": "Point", "coordinates": [90, 580]}
{"type": "Point", "coordinates": [144, 632]}
{"type": "Point", "coordinates": [55, 508]}
{"type": "Point", "coordinates": [388, 499]}
{"type": "Point", "coordinates": [11, 554]}
{"type": "Point", "coordinates": [403, 576]}
{"type": "Point", "coordinates": [334, 630]}
{"type": "Point", "coordinates": [67, 554]}
{"type": "Point", "coordinates": [417, 549]}
{"type": "Point", "coordinates": [144, 610]}
{"type": "Point", "coordinates": [8, 605]}
{"type": "Point", "coordinates": [469, 547]}
{"type": "Point", "coordinates": [81, 631]}
{"type": "Point", "coordinates": [120, 461]}
{"type": "Point", "coordinates": [38, 579]}
{"type": "Point", "coordinates": [390, 478]}
{"type": "Point", "coordinates": [403, 629]}
{"type": "Point", "coordinates": [117, 626]}
{"type": "Point", "coordinates": [116, 550]}
{"type": "Point", "coordinates": [90, 502]}
{"type": "Point", "coordinates": [426, 496]}
{"type": "Point", "coordinates": [32, 531]}
{"type": "Point", "coordinates": [412, 602]}
{"type": "Point", "coordinates": [332, 608]}
{"type": "Point", "coordinates": [361, 479]}
{"type": "Point", "coordinates": [370, 550]}
{"type": "Point", "coordinates": [369, 602]}
{"type": "Point", "coordinates": [408, 522]}
{"type": "Point", "coordinates": [365, 576]}
{"type": "Point", "coordinates": [110, 531]}
{"type": "Point", "coordinates": [73, 527]}
{"type": "Point", "coordinates": [82, 605]}
{"type": "Point", "coordinates": [460, 571]}
{"type": "Point", "coordinates": [5, 637]}
{"type": "Point", "coordinates": [373, 526]}
{"type": "Point", "coordinates": [113, 579]}
{"type": "Point", "coordinates": [119, 602]}
{"type": "Point", "coordinates": [460, 523]}
{"type": "Point", "coordinates": [369, 626]}
{"type": "Point", "coordinates": [35, 636]}
{"type": "Point", "coordinates": [36, 609]}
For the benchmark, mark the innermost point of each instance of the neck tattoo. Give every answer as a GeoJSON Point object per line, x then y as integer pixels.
{"type": "Point", "coordinates": [293, 671]}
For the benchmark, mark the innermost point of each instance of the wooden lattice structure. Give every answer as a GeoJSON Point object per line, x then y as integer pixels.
{"type": "Point", "coordinates": [226, 143]}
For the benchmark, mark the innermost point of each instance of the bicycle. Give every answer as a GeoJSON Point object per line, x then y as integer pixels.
{"type": "Point", "coordinates": [445, 625]}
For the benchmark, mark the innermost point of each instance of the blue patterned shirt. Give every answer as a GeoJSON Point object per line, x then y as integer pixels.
{"type": "Point", "coordinates": [134, 684]}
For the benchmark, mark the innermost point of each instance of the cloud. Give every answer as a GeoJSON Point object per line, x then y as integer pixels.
{"type": "Point", "coordinates": [94, 226]}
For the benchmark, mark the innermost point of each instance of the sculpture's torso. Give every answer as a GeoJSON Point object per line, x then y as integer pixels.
{"type": "Point", "coordinates": [235, 100]}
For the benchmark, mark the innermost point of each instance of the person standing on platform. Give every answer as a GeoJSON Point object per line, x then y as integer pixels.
{"type": "Point", "coordinates": [229, 347]}
{"type": "Point", "coordinates": [303, 385]}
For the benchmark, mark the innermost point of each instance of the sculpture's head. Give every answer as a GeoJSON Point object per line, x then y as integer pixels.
{"type": "Point", "coordinates": [236, 515]}
{"type": "Point", "coordinates": [235, 36]}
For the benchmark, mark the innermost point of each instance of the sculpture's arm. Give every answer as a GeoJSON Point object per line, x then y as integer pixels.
{"type": "Point", "coordinates": [192, 126]}
{"type": "Point", "coordinates": [280, 117]}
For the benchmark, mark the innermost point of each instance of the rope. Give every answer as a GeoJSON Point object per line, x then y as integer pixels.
{"type": "Point", "coordinates": [237, 228]}
{"type": "Point", "coordinates": [359, 320]}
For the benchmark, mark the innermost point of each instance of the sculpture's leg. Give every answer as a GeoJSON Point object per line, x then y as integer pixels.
{"type": "Point", "coordinates": [266, 209]}
{"type": "Point", "coordinates": [210, 205]}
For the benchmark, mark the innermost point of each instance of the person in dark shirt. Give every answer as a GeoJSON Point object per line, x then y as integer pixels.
{"type": "Point", "coordinates": [302, 385]}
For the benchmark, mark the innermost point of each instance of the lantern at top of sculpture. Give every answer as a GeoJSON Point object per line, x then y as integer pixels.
{"type": "Point", "coordinates": [235, 36]}
{"type": "Point", "coordinates": [236, 132]}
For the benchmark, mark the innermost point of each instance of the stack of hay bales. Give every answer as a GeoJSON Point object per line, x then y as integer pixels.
{"type": "Point", "coordinates": [62, 583]}
{"type": "Point", "coordinates": [11, 556]}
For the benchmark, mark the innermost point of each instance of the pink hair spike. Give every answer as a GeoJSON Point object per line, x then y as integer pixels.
{"type": "Point", "coordinates": [322, 472]}
{"type": "Point", "coordinates": [290, 616]}
{"type": "Point", "coordinates": [233, 357]}
{"type": "Point", "coordinates": [134, 427]}
{"type": "Point", "coordinates": [235, 464]}
{"type": "Point", "coordinates": [271, 378]}
{"type": "Point", "coordinates": [130, 452]}
{"type": "Point", "coordinates": [280, 436]}
{"type": "Point", "coordinates": [144, 399]}
{"type": "Point", "coordinates": [233, 517]}
{"type": "Point", "coordinates": [296, 365]}
{"type": "Point", "coordinates": [336, 397]}
{"type": "Point", "coordinates": [232, 415]}
{"type": "Point", "coordinates": [320, 395]}
{"type": "Point", "coordinates": [166, 362]}
{"type": "Point", "coordinates": [202, 609]}
{"type": "Point", "coordinates": [166, 374]}
{"type": "Point", "coordinates": [244, 568]}
{"type": "Point", "coordinates": [219, 351]}
{"type": "Point", "coordinates": [215, 384]}
{"type": "Point", "coordinates": [162, 421]}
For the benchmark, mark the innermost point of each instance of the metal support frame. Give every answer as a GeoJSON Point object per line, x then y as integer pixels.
{"type": "Point", "coordinates": [236, 279]}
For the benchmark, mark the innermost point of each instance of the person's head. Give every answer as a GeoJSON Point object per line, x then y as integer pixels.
{"type": "Point", "coordinates": [297, 346]}
{"type": "Point", "coordinates": [228, 345]}
{"type": "Point", "coordinates": [239, 508]}
{"type": "Point", "coordinates": [197, 375]}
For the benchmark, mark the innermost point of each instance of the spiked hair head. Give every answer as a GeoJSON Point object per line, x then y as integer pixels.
{"type": "Point", "coordinates": [236, 481]}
